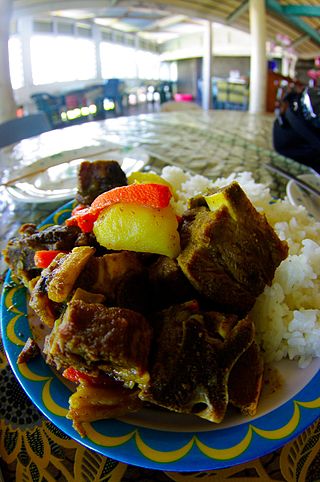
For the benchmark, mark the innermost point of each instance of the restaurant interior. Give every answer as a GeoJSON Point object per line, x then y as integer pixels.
{"type": "Point", "coordinates": [79, 62]}
{"type": "Point", "coordinates": [216, 105]}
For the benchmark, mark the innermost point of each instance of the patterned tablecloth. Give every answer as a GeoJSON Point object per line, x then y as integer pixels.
{"type": "Point", "coordinates": [213, 144]}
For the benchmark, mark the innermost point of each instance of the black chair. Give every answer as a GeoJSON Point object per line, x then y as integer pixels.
{"type": "Point", "coordinates": [165, 90]}
{"type": "Point", "coordinates": [113, 90]}
{"type": "Point", "coordinates": [15, 130]}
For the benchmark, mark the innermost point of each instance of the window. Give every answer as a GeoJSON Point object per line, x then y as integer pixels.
{"type": "Point", "coordinates": [16, 62]}
{"type": "Point", "coordinates": [62, 58]}
{"type": "Point", "coordinates": [169, 71]}
{"type": "Point", "coordinates": [65, 28]}
{"type": "Point", "coordinates": [65, 59]}
{"type": "Point", "coordinates": [127, 63]}
{"type": "Point", "coordinates": [85, 59]}
{"type": "Point", "coordinates": [117, 61]}
{"type": "Point", "coordinates": [84, 31]}
{"type": "Point", "coordinates": [148, 65]}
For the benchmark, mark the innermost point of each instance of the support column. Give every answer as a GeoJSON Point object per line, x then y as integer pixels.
{"type": "Point", "coordinates": [25, 31]}
{"type": "Point", "coordinates": [292, 67]}
{"type": "Point", "coordinates": [136, 49]}
{"type": "Point", "coordinates": [207, 67]}
{"type": "Point", "coordinates": [285, 65]}
{"type": "Point", "coordinates": [258, 63]}
{"type": "Point", "coordinates": [7, 103]}
{"type": "Point", "coordinates": [96, 34]}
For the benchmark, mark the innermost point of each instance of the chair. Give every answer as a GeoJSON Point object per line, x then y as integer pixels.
{"type": "Point", "coordinates": [15, 130]}
{"type": "Point", "coordinates": [52, 106]}
{"type": "Point", "coordinates": [113, 90]}
{"type": "Point", "coordinates": [165, 90]}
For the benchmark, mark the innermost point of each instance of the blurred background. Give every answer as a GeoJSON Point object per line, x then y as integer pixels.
{"type": "Point", "coordinates": [78, 61]}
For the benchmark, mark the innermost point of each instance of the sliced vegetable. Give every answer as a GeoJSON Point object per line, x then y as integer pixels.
{"type": "Point", "coordinates": [152, 195]}
{"type": "Point", "coordinates": [77, 376]}
{"type": "Point", "coordinates": [92, 402]}
{"type": "Point", "coordinates": [148, 177]}
{"type": "Point", "coordinates": [127, 226]}
{"type": "Point", "coordinates": [217, 200]}
{"type": "Point", "coordinates": [84, 219]}
{"type": "Point", "coordinates": [43, 258]}
{"type": "Point", "coordinates": [78, 208]}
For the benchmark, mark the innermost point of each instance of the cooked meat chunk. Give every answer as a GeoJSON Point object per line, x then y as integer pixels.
{"type": "Point", "coordinates": [19, 252]}
{"type": "Point", "coordinates": [220, 324]}
{"type": "Point", "coordinates": [245, 380]}
{"type": "Point", "coordinates": [64, 271]}
{"type": "Point", "coordinates": [231, 253]}
{"type": "Point", "coordinates": [91, 336]}
{"type": "Point", "coordinates": [47, 310]}
{"type": "Point", "coordinates": [121, 277]}
{"type": "Point", "coordinates": [190, 366]}
{"type": "Point", "coordinates": [29, 351]}
{"type": "Point", "coordinates": [91, 403]}
{"type": "Point", "coordinates": [53, 237]}
{"type": "Point", "coordinates": [168, 284]}
{"type": "Point", "coordinates": [87, 296]}
{"type": "Point", "coordinates": [56, 283]}
{"type": "Point", "coordinates": [96, 177]}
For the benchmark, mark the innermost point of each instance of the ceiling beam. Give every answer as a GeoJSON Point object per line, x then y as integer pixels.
{"type": "Point", "coordinates": [130, 15]}
{"type": "Point", "coordinates": [24, 8]}
{"type": "Point", "coordinates": [299, 40]}
{"type": "Point", "coordinates": [299, 24]}
{"type": "Point", "coordinates": [238, 12]}
{"type": "Point", "coordinates": [188, 8]}
{"type": "Point", "coordinates": [301, 10]}
{"type": "Point", "coordinates": [164, 22]}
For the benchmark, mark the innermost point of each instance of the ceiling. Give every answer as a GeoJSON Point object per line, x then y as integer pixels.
{"type": "Point", "coordinates": [296, 23]}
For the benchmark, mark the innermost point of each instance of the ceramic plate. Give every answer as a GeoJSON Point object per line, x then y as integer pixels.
{"type": "Point", "coordinates": [170, 441]}
{"type": "Point", "coordinates": [299, 197]}
{"type": "Point", "coordinates": [57, 183]}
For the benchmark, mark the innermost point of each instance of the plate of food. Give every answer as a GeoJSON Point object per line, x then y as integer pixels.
{"type": "Point", "coordinates": [167, 320]}
{"type": "Point", "coordinates": [298, 196]}
{"type": "Point", "coordinates": [54, 178]}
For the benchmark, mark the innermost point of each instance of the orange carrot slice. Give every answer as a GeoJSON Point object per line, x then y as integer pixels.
{"type": "Point", "coordinates": [150, 195]}
{"type": "Point", "coordinates": [43, 258]}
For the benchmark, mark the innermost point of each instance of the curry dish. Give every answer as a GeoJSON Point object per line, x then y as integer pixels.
{"type": "Point", "coordinates": [144, 307]}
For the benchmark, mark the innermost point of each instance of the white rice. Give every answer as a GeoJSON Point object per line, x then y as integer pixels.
{"type": "Point", "coordinates": [287, 313]}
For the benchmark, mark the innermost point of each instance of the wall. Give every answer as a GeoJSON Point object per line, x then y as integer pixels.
{"type": "Point", "coordinates": [190, 71]}
{"type": "Point", "coordinates": [227, 41]}
{"type": "Point", "coordinates": [223, 65]}
{"type": "Point", "coordinates": [187, 76]}
{"type": "Point", "coordinates": [231, 51]}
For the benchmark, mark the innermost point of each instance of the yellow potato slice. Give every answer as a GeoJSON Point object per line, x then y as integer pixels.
{"type": "Point", "coordinates": [140, 177]}
{"type": "Point", "coordinates": [126, 226]}
{"type": "Point", "coordinates": [217, 200]}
